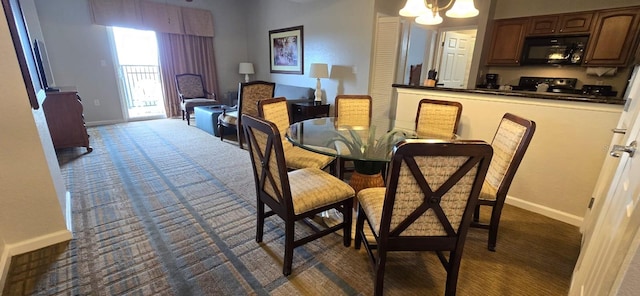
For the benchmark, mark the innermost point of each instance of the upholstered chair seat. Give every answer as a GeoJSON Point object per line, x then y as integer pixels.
{"type": "Point", "coordinates": [351, 111]}
{"type": "Point", "coordinates": [276, 111]}
{"type": "Point", "coordinates": [192, 93]}
{"type": "Point", "coordinates": [249, 93]}
{"type": "Point", "coordinates": [323, 191]}
{"type": "Point", "coordinates": [509, 144]}
{"type": "Point", "coordinates": [427, 204]}
{"type": "Point", "coordinates": [292, 195]}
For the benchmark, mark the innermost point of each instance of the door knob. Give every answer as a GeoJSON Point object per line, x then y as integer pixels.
{"type": "Point", "coordinates": [631, 149]}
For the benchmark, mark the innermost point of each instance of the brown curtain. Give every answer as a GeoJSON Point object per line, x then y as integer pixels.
{"type": "Point", "coordinates": [185, 54]}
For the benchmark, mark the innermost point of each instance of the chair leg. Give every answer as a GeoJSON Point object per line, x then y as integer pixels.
{"type": "Point", "coordinates": [476, 214]}
{"type": "Point", "coordinates": [288, 247]}
{"type": "Point", "coordinates": [221, 131]}
{"type": "Point", "coordinates": [260, 221]}
{"type": "Point", "coordinates": [347, 214]}
{"type": "Point", "coordinates": [239, 135]}
{"type": "Point", "coordinates": [340, 168]}
{"type": "Point", "coordinates": [182, 114]}
{"type": "Point", "coordinates": [379, 270]}
{"type": "Point", "coordinates": [359, 227]}
{"type": "Point", "coordinates": [188, 117]}
{"type": "Point", "coordinates": [453, 267]}
{"type": "Point", "coordinates": [493, 226]}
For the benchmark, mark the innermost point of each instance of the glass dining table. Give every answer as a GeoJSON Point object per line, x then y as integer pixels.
{"type": "Point", "coordinates": [369, 147]}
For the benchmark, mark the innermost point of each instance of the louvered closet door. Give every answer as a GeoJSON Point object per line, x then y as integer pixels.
{"type": "Point", "coordinates": [385, 61]}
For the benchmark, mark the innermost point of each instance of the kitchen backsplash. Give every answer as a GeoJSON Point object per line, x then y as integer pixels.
{"type": "Point", "coordinates": [511, 75]}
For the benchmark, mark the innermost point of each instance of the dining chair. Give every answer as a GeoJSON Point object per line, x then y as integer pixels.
{"type": "Point", "coordinates": [437, 118]}
{"type": "Point", "coordinates": [276, 110]}
{"type": "Point", "coordinates": [351, 110]}
{"type": "Point", "coordinates": [192, 93]}
{"type": "Point", "coordinates": [427, 205]}
{"type": "Point", "coordinates": [249, 93]}
{"type": "Point", "coordinates": [292, 195]}
{"type": "Point", "coordinates": [509, 144]}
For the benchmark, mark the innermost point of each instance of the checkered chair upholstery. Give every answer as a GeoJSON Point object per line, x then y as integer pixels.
{"type": "Point", "coordinates": [277, 111]}
{"type": "Point", "coordinates": [432, 188]}
{"type": "Point", "coordinates": [292, 195]}
{"type": "Point", "coordinates": [509, 144]}
{"type": "Point", "coordinates": [192, 93]}
{"type": "Point", "coordinates": [437, 119]}
{"type": "Point", "coordinates": [351, 110]}
{"type": "Point", "coordinates": [249, 93]}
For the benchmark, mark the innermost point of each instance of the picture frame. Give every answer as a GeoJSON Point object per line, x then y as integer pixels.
{"type": "Point", "coordinates": [24, 52]}
{"type": "Point", "coordinates": [286, 50]}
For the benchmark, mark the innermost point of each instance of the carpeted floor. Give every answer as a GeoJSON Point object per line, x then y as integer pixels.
{"type": "Point", "coordinates": [161, 208]}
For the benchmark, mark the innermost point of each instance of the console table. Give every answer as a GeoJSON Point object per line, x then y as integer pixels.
{"type": "Point", "coordinates": [63, 110]}
{"type": "Point", "coordinates": [304, 111]}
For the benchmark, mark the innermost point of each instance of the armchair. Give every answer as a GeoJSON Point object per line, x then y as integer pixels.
{"type": "Point", "coordinates": [192, 93]}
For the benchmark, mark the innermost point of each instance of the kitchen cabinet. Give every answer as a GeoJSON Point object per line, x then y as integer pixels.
{"type": "Point", "coordinates": [569, 23]}
{"type": "Point", "coordinates": [613, 37]}
{"type": "Point", "coordinates": [506, 41]}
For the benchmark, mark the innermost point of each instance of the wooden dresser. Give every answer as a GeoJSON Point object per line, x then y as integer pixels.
{"type": "Point", "coordinates": [63, 110]}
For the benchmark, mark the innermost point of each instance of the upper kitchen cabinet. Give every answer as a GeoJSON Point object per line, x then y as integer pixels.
{"type": "Point", "coordinates": [613, 37]}
{"type": "Point", "coordinates": [570, 23]}
{"type": "Point", "coordinates": [506, 41]}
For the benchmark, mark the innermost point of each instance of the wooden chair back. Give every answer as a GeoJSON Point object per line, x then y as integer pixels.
{"type": "Point", "coordinates": [509, 143]}
{"type": "Point", "coordinates": [190, 86]}
{"type": "Point", "coordinates": [353, 110]}
{"type": "Point", "coordinates": [438, 119]}
{"type": "Point", "coordinates": [249, 94]}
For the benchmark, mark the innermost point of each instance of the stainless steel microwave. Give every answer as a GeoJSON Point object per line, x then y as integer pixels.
{"type": "Point", "coordinates": [557, 50]}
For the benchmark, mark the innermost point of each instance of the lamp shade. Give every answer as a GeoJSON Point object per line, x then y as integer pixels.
{"type": "Point", "coordinates": [246, 68]}
{"type": "Point", "coordinates": [462, 9]}
{"type": "Point", "coordinates": [414, 8]}
{"type": "Point", "coordinates": [319, 71]}
{"type": "Point", "coordinates": [429, 18]}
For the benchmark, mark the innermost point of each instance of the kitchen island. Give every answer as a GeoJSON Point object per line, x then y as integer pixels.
{"type": "Point", "coordinates": [560, 169]}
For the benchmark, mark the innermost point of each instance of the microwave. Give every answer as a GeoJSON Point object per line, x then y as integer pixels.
{"type": "Point", "coordinates": [554, 50]}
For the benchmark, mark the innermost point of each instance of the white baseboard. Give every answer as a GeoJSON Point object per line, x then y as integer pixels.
{"type": "Point", "coordinates": [28, 246]}
{"type": "Point", "coordinates": [5, 261]}
{"type": "Point", "coordinates": [39, 242]}
{"type": "Point", "coordinates": [103, 122]}
{"type": "Point", "coordinates": [545, 211]}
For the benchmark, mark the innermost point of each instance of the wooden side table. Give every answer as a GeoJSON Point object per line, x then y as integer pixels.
{"type": "Point", "coordinates": [303, 111]}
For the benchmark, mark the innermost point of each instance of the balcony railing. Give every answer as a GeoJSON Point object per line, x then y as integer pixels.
{"type": "Point", "coordinates": [142, 85]}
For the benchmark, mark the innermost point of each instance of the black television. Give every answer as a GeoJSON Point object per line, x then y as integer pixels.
{"type": "Point", "coordinates": [40, 54]}
{"type": "Point", "coordinates": [24, 52]}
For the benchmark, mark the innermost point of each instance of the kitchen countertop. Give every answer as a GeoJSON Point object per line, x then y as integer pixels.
{"type": "Point", "coordinates": [528, 94]}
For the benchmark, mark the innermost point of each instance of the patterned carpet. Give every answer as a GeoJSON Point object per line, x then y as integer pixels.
{"type": "Point", "coordinates": [162, 208]}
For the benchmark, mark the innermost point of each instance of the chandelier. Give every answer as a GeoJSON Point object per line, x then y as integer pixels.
{"type": "Point", "coordinates": [427, 12]}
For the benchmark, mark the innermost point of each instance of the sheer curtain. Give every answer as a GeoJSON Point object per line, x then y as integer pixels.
{"type": "Point", "coordinates": [185, 54]}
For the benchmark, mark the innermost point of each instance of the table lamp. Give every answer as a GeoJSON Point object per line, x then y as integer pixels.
{"type": "Point", "coordinates": [246, 69]}
{"type": "Point", "coordinates": [319, 71]}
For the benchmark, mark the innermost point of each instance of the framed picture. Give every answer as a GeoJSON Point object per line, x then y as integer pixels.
{"type": "Point", "coordinates": [286, 50]}
{"type": "Point", "coordinates": [24, 52]}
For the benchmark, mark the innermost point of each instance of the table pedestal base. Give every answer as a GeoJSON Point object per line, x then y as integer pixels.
{"type": "Point", "coordinates": [361, 181]}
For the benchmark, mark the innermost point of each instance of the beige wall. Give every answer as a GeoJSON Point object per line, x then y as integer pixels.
{"type": "Point", "coordinates": [31, 215]}
{"type": "Point", "coordinates": [336, 32]}
{"type": "Point", "coordinates": [559, 171]}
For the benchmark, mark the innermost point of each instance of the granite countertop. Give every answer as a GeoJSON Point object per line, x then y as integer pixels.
{"type": "Point", "coordinates": [527, 94]}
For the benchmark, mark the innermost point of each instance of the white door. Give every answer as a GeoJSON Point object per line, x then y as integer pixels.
{"type": "Point", "coordinates": [455, 57]}
{"type": "Point", "coordinates": [608, 245]}
{"type": "Point", "coordinates": [627, 118]}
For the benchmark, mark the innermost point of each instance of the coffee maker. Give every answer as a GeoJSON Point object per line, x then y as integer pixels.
{"type": "Point", "coordinates": [491, 81]}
